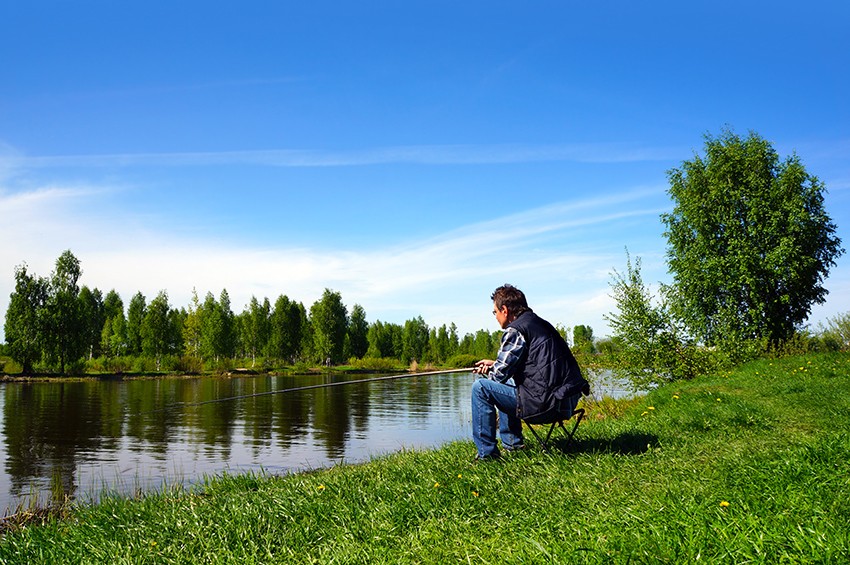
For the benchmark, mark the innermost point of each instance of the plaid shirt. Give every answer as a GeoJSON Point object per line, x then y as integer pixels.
{"type": "Point", "coordinates": [510, 352]}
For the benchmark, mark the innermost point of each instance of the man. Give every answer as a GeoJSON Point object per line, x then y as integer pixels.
{"type": "Point", "coordinates": [533, 378]}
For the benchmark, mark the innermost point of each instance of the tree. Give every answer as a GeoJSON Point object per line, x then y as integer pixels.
{"type": "Point", "coordinates": [837, 332]}
{"type": "Point", "coordinates": [414, 339]}
{"type": "Point", "coordinates": [228, 328]}
{"type": "Point", "coordinates": [287, 324]}
{"type": "Point", "coordinates": [749, 241]}
{"type": "Point", "coordinates": [112, 304]}
{"type": "Point", "coordinates": [212, 329]}
{"type": "Point", "coordinates": [113, 335]}
{"type": "Point", "coordinates": [380, 338]}
{"type": "Point", "coordinates": [192, 328]}
{"type": "Point", "coordinates": [135, 315]}
{"type": "Point", "coordinates": [157, 330]}
{"type": "Point", "coordinates": [358, 329]}
{"type": "Point", "coordinates": [24, 318]}
{"type": "Point", "coordinates": [255, 327]}
{"type": "Point", "coordinates": [654, 346]}
{"type": "Point", "coordinates": [92, 317]}
{"type": "Point", "coordinates": [64, 336]}
{"type": "Point", "coordinates": [113, 338]}
{"type": "Point", "coordinates": [440, 344]}
{"type": "Point", "coordinates": [583, 339]}
{"type": "Point", "coordinates": [329, 320]}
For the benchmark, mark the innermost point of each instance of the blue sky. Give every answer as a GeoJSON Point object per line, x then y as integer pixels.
{"type": "Point", "coordinates": [410, 155]}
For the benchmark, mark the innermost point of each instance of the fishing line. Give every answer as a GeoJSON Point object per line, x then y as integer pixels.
{"type": "Point", "coordinates": [325, 385]}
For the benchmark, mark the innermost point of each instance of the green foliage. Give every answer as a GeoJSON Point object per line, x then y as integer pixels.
{"type": "Point", "coordinates": [384, 340]}
{"type": "Point", "coordinates": [414, 339]}
{"type": "Point", "coordinates": [287, 329]}
{"type": "Point", "coordinates": [443, 343]}
{"type": "Point", "coordinates": [190, 365]}
{"type": "Point", "coordinates": [160, 333]}
{"type": "Point", "coordinates": [329, 320]}
{"type": "Point", "coordinates": [218, 328]}
{"type": "Point", "coordinates": [92, 318]}
{"type": "Point", "coordinates": [192, 327]}
{"type": "Point", "coordinates": [375, 364]}
{"type": "Point", "coordinates": [135, 315]}
{"type": "Point", "coordinates": [25, 319]}
{"type": "Point", "coordinates": [254, 328]}
{"type": "Point", "coordinates": [358, 329]}
{"type": "Point", "coordinates": [749, 241]}
{"type": "Point", "coordinates": [114, 336]}
{"type": "Point", "coordinates": [836, 334]}
{"type": "Point", "coordinates": [481, 345]}
{"type": "Point", "coordinates": [653, 346]}
{"type": "Point", "coordinates": [583, 340]}
{"type": "Point", "coordinates": [462, 360]}
{"type": "Point", "coordinates": [64, 327]}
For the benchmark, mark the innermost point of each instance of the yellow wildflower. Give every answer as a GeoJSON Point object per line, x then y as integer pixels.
{"type": "Point", "coordinates": [320, 487]}
{"type": "Point", "coordinates": [475, 493]}
{"type": "Point", "coordinates": [436, 485]}
{"type": "Point", "coordinates": [650, 407]}
{"type": "Point", "coordinates": [676, 396]}
{"type": "Point", "coordinates": [724, 504]}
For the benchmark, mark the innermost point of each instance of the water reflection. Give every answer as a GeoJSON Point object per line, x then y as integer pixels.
{"type": "Point", "coordinates": [76, 439]}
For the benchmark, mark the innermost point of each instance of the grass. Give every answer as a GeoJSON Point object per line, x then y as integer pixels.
{"type": "Point", "coordinates": [751, 466]}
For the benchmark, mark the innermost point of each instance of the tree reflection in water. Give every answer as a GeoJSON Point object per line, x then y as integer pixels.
{"type": "Point", "coordinates": [77, 438]}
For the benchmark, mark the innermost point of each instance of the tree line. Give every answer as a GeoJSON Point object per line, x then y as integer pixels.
{"type": "Point", "coordinates": [55, 324]}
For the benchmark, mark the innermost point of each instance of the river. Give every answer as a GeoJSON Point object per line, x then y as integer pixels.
{"type": "Point", "coordinates": [79, 439]}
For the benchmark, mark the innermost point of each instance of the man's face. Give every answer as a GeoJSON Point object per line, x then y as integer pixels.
{"type": "Point", "coordinates": [501, 315]}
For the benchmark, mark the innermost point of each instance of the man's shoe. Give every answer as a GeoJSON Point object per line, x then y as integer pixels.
{"type": "Point", "coordinates": [495, 457]}
{"type": "Point", "coordinates": [514, 449]}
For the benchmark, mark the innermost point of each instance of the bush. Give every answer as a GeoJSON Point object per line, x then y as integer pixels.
{"type": "Point", "coordinates": [190, 365]}
{"type": "Point", "coordinates": [144, 365]}
{"type": "Point", "coordinates": [220, 366]}
{"type": "Point", "coordinates": [76, 368]}
{"type": "Point", "coordinates": [462, 360]}
{"type": "Point", "coordinates": [837, 332]}
{"type": "Point", "coordinates": [374, 364]}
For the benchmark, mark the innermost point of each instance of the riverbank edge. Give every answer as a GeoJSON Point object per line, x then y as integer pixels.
{"type": "Point", "coordinates": [734, 421]}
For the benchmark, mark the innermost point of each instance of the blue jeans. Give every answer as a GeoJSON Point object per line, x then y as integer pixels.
{"type": "Point", "coordinates": [488, 398]}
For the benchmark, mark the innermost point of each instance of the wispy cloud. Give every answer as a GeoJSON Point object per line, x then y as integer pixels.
{"type": "Point", "coordinates": [444, 278]}
{"type": "Point", "coordinates": [413, 154]}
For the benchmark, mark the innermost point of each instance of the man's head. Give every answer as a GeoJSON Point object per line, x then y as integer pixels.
{"type": "Point", "coordinates": [508, 303]}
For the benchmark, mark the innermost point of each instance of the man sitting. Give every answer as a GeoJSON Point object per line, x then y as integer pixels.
{"type": "Point", "coordinates": [535, 377]}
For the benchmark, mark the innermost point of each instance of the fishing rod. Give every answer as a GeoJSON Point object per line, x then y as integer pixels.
{"type": "Point", "coordinates": [300, 388]}
{"type": "Point", "coordinates": [326, 385]}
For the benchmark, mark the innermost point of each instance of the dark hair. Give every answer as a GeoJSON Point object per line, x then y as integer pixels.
{"type": "Point", "coordinates": [512, 297]}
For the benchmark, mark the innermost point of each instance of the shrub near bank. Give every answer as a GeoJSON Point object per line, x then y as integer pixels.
{"type": "Point", "coordinates": [750, 465]}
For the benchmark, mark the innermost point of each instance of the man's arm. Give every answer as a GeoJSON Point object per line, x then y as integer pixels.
{"type": "Point", "coordinates": [510, 351]}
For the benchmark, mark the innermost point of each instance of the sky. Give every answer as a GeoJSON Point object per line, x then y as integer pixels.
{"type": "Point", "coordinates": [411, 156]}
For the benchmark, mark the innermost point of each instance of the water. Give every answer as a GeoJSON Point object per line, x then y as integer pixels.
{"type": "Point", "coordinates": [81, 438]}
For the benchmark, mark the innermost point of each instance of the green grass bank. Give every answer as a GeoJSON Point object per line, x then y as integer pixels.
{"type": "Point", "coordinates": [750, 466]}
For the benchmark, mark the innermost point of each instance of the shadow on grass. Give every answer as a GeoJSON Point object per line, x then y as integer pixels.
{"type": "Point", "coordinates": [623, 444]}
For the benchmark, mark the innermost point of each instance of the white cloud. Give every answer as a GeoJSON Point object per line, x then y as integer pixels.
{"type": "Point", "coordinates": [444, 278]}
{"type": "Point", "coordinates": [414, 154]}
{"type": "Point", "coordinates": [561, 255]}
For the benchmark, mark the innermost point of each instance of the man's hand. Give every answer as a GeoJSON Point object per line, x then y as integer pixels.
{"type": "Point", "coordinates": [482, 367]}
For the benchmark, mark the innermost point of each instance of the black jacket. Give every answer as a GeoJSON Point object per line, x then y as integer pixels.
{"type": "Point", "coordinates": [547, 372]}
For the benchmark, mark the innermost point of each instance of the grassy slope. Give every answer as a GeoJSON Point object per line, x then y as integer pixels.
{"type": "Point", "coordinates": [749, 466]}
